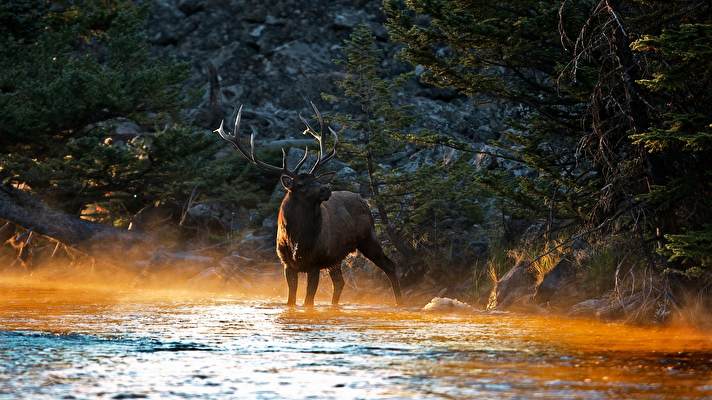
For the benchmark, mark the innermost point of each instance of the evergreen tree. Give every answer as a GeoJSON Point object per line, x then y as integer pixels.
{"type": "Point", "coordinates": [422, 210]}
{"type": "Point", "coordinates": [618, 115]}
{"type": "Point", "coordinates": [72, 67]}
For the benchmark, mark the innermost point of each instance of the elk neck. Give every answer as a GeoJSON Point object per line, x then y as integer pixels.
{"type": "Point", "coordinates": [301, 220]}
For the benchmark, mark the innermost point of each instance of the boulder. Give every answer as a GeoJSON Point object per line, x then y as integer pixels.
{"type": "Point", "coordinates": [445, 304]}
{"type": "Point", "coordinates": [559, 285]}
{"type": "Point", "coordinates": [516, 288]}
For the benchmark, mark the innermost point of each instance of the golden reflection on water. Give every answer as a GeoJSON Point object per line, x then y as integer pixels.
{"type": "Point", "coordinates": [176, 343]}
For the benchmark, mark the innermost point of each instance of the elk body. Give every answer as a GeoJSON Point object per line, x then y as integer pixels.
{"type": "Point", "coordinates": [316, 227]}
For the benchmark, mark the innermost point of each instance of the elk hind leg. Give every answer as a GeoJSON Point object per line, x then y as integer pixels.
{"type": "Point", "coordinates": [337, 280]}
{"type": "Point", "coordinates": [374, 252]}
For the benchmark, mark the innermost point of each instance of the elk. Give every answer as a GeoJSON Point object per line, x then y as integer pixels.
{"type": "Point", "coordinates": [317, 228]}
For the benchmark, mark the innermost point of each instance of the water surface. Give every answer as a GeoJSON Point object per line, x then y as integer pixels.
{"type": "Point", "coordinates": [80, 343]}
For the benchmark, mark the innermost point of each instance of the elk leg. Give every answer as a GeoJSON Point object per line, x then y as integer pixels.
{"type": "Point", "coordinates": [373, 251]}
{"type": "Point", "coordinates": [292, 279]}
{"type": "Point", "coordinates": [338, 281]}
{"type": "Point", "coordinates": [312, 284]}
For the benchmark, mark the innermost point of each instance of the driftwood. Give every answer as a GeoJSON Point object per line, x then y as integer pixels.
{"type": "Point", "coordinates": [7, 231]}
{"type": "Point", "coordinates": [103, 243]}
{"type": "Point", "coordinates": [25, 210]}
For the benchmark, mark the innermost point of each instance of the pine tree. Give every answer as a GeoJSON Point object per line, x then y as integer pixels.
{"type": "Point", "coordinates": [617, 126]}
{"type": "Point", "coordinates": [68, 68]}
{"type": "Point", "coordinates": [416, 206]}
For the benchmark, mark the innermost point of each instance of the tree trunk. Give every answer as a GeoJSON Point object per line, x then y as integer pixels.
{"type": "Point", "coordinates": [23, 209]}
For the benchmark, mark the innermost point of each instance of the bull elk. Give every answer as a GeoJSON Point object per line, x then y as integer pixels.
{"type": "Point", "coordinates": [316, 227]}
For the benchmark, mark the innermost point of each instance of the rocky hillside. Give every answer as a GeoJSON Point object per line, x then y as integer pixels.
{"type": "Point", "coordinates": [276, 57]}
{"type": "Point", "coordinates": [273, 57]}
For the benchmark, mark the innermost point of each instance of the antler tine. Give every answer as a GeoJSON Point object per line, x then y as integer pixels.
{"type": "Point", "coordinates": [333, 150]}
{"type": "Point", "coordinates": [319, 118]}
{"type": "Point", "coordinates": [232, 137]}
{"type": "Point", "coordinates": [324, 159]}
{"type": "Point", "coordinates": [309, 128]}
{"type": "Point", "coordinates": [321, 130]}
{"type": "Point", "coordinates": [316, 136]}
{"type": "Point", "coordinates": [301, 162]}
{"type": "Point", "coordinates": [319, 138]}
{"type": "Point", "coordinates": [331, 155]}
{"type": "Point", "coordinates": [263, 164]}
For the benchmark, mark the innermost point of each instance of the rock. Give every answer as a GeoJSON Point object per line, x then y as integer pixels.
{"type": "Point", "coordinates": [444, 304]}
{"type": "Point", "coordinates": [257, 246]}
{"type": "Point", "coordinates": [346, 173]}
{"type": "Point", "coordinates": [588, 307]}
{"type": "Point", "coordinates": [217, 217]}
{"type": "Point", "coordinates": [235, 260]}
{"type": "Point", "coordinates": [516, 288]}
{"type": "Point", "coordinates": [189, 7]}
{"type": "Point", "coordinates": [559, 284]}
{"type": "Point", "coordinates": [270, 223]}
{"type": "Point", "coordinates": [173, 24]}
{"type": "Point", "coordinates": [154, 218]}
{"type": "Point", "coordinates": [257, 32]}
{"type": "Point", "coordinates": [350, 18]}
{"type": "Point", "coordinates": [126, 127]}
{"type": "Point", "coordinates": [306, 55]}
{"type": "Point", "coordinates": [210, 275]}
{"type": "Point", "coordinates": [611, 307]}
{"type": "Point", "coordinates": [271, 20]}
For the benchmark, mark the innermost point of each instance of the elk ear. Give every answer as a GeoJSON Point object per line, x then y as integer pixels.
{"type": "Point", "coordinates": [325, 177]}
{"type": "Point", "coordinates": [287, 181]}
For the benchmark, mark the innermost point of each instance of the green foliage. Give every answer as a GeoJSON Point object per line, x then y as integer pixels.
{"type": "Point", "coordinates": [617, 131]}
{"type": "Point", "coordinates": [72, 70]}
{"type": "Point", "coordinates": [692, 247]}
{"type": "Point", "coordinates": [680, 67]}
{"type": "Point", "coordinates": [82, 63]}
{"type": "Point", "coordinates": [511, 52]}
{"type": "Point", "coordinates": [422, 209]}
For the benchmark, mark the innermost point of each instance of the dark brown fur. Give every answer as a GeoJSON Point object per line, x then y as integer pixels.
{"type": "Point", "coordinates": [316, 228]}
{"type": "Point", "coordinates": [314, 235]}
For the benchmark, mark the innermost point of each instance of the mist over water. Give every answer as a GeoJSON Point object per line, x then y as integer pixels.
{"type": "Point", "coordinates": [84, 342]}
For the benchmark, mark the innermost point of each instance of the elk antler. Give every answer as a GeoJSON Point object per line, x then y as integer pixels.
{"type": "Point", "coordinates": [318, 136]}
{"type": "Point", "coordinates": [233, 139]}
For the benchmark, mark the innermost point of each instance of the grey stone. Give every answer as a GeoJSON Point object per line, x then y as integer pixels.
{"type": "Point", "coordinates": [257, 31]}
{"type": "Point", "coordinates": [189, 7]}
{"type": "Point", "coordinates": [350, 18]}
{"type": "Point", "coordinates": [276, 56]}
{"type": "Point", "coordinates": [125, 127]}
{"type": "Point", "coordinates": [559, 284]}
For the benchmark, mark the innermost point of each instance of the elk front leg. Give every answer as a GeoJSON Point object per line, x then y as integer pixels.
{"type": "Point", "coordinates": [338, 281]}
{"type": "Point", "coordinates": [292, 280]}
{"type": "Point", "coordinates": [312, 284]}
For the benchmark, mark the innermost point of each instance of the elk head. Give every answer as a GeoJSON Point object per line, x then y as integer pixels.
{"type": "Point", "coordinates": [308, 187]}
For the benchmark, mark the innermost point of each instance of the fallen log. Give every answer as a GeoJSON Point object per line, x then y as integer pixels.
{"type": "Point", "coordinates": [24, 209]}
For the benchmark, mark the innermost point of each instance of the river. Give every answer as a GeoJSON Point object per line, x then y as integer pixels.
{"type": "Point", "coordinates": [83, 344]}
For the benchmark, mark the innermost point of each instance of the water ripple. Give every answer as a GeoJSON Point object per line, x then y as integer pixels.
{"type": "Point", "coordinates": [227, 348]}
